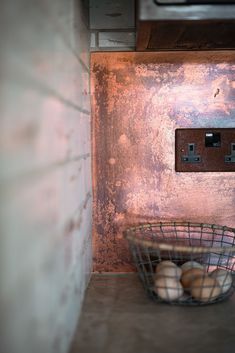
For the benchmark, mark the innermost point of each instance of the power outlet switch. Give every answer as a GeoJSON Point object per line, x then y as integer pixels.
{"type": "Point", "coordinates": [212, 139]}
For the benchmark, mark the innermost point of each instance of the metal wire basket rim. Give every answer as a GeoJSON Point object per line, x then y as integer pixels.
{"type": "Point", "coordinates": [181, 223]}
{"type": "Point", "coordinates": [173, 247]}
{"type": "Point", "coordinates": [181, 248]}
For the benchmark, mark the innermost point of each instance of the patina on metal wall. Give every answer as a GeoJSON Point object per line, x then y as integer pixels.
{"type": "Point", "coordinates": [139, 99]}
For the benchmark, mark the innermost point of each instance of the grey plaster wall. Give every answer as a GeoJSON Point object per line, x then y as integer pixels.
{"type": "Point", "coordinates": [45, 173]}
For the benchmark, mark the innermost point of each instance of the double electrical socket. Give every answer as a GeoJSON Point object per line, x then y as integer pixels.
{"type": "Point", "coordinates": [205, 150]}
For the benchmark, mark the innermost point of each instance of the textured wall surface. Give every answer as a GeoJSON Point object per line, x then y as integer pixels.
{"type": "Point", "coordinates": [45, 176]}
{"type": "Point", "coordinates": [139, 101]}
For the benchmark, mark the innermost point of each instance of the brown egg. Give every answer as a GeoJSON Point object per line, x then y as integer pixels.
{"type": "Point", "coordinates": [190, 275]}
{"type": "Point", "coordinates": [205, 289]}
{"type": "Point", "coordinates": [168, 288]}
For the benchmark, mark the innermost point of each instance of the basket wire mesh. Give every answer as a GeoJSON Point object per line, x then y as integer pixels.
{"type": "Point", "coordinates": [212, 246]}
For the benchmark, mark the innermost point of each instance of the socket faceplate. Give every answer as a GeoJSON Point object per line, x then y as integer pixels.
{"type": "Point", "coordinates": [213, 146]}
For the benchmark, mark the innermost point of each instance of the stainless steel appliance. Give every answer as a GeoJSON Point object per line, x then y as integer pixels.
{"type": "Point", "coordinates": [185, 24]}
{"type": "Point", "coordinates": [190, 2]}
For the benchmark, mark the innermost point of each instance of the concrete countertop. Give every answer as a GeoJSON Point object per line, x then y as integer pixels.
{"type": "Point", "coordinates": [118, 317]}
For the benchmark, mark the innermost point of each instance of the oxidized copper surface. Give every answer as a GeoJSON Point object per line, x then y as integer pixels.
{"type": "Point", "coordinates": [139, 99]}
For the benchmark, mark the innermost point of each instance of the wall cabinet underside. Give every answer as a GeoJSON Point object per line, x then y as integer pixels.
{"type": "Point", "coordinates": [185, 35]}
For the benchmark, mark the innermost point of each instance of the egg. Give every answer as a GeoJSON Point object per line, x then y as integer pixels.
{"type": "Point", "coordinates": [190, 264]}
{"type": "Point", "coordinates": [224, 279]}
{"type": "Point", "coordinates": [190, 275]}
{"type": "Point", "coordinates": [205, 289]}
{"type": "Point", "coordinates": [165, 263]}
{"type": "Point", "coordinates": [168, 269]}
{"type": "Point", "coordinates": [168, 288]}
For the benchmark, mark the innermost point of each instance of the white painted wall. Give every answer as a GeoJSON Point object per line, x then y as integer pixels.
{"type": "Point", "coordinates": [45, 173]}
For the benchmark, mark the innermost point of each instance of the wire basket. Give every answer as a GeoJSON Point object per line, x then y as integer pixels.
{"type": "Point", "coordinates": [173, 244]}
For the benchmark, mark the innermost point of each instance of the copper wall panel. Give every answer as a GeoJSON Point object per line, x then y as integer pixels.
{"type": "Point", "coordinates": [139, 99]}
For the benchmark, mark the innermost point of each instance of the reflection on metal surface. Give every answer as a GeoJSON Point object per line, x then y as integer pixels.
{"type": "Point", "coordinates": [139, 99]}
{"type": "Point", "coordinates": [149, 11]}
